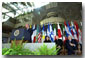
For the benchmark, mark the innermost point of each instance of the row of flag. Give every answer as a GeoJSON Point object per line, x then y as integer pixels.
{"type": "Point", "coordinates": [63, 31]}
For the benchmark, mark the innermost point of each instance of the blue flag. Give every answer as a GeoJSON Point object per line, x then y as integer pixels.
{"type": "Point", "coordinates": [69, 29]}
{"type": "Point", "coordinates": [48, 30]}
{"type": "Point", "coordinates": [51, 33]}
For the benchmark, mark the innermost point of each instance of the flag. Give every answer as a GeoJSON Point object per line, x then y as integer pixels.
{"type": "Point", "coordinates": [63, 30]}
{"type": "Point", "coordinates": [37, 33]}
{"type": "Point", "coordinates": [54, 29]}
{"type": "Point", "coordinates": [43, 34]}
{"type": "Point", "coordinates": [74, 31]}
{"type": "Point", "coordinates": [30, 26]}
{"type": "Point", "coordinates": [80, 36]}
{"type": "Point", "coordinates": [34, 34]}
{"type": "Point", "coordinates": [69, 29]}
{"type": "Point", "coordinates": [39, 37]}
{"type": "Point", "coordinates": [48, 30]}
{"type": "Point", "coordinates": [51, 33]}
{"type": "Point", "coordinates": [76, 27]}
{"type": "Point", "coordinates": [33, 27]}
{"type": "Point", "coordinates": [81, 23]}
{"type": "Point", "coordinates": [59, 32]}
{"type": "Point", "coordinates": [66, 30]}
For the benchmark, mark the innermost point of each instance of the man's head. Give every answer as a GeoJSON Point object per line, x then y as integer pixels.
{"type": "Point", "coordinates": [57, 37]}
{"type": "Point", "coordinates": [69, 38]}
{"type": "Point", "coordinates": [27, 26]}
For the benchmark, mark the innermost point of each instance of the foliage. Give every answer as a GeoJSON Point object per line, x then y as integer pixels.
{"type": "Point", "coordinates": [44, 50]}
{"type": "Point", "coordinates": [20, 50]}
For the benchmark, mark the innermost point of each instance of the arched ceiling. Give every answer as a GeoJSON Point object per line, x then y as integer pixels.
{"type": "Point", "coordinates": [11, 11]}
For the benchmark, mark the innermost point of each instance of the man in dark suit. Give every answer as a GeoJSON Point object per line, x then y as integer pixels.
{"type": "Point", "coordinates": [71, 45]}
{"type": "Point", "coordinates": [30, 31]}
{"type": "Point", "coordinates": [58, 43]}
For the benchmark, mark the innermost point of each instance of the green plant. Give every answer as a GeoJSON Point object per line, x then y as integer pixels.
{"type": "Point", "coordinates": [19, 50]}
{"type": "Point", "coordinates": [43, 50]}
{"type": "Point", "coordinates": [16, 50]}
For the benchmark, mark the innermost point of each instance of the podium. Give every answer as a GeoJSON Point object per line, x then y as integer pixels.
{"type": "Point", "coordinates": [20, 35]}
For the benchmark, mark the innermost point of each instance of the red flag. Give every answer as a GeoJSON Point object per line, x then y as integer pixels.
{"type": "Point", "coordinates": [59, 32]}
{"type": "Point", "coordinates": [34, 40]}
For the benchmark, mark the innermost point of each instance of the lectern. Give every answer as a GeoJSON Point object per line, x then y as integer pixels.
{"type": "Point", "coordinates": [19, 35]}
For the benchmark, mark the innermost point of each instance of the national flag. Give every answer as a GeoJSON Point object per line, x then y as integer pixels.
{"type": "Point", "coordinates": [74, 31]}
{"type": "Point", "coordinates": [81, 23]}
{"type": "Point", "coordinates": [76, 27]}
{"type": "Point", "coordinates": [59, 31]}
{"type": "Point", "coordinates": [69, 28]}
{"type": "Point", "coordinates": [33, 27]}
{"type": "Point", "coordinates": [54, 29]}
{"type": "Point", "coordinates": [63, 30]}
{"type": "Point", "coordinates": [48, 30]}
{"type": "Point", "coordinates": [30, 26]}
{"type": "Point", "coordinates": [51, 33]}
{"type": "Point", "coordinates": [39, 35]}
{"type": "Point", "coordinates": [37, 32]}
{"type": "Point", "coordinates": [34, 34]}
{"type": "Point", "coordinates": [80, 36]}
{"type": "Point", "coordinates": [43, 34]}
{"type": "Point", "coordinates": [66, 29]}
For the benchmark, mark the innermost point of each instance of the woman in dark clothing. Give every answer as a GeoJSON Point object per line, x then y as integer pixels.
{"type": "Point", "coordinates": [47, 39]}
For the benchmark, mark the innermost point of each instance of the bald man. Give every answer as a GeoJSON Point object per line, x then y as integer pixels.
{"type": "Point", "coordinates": [71, 45]}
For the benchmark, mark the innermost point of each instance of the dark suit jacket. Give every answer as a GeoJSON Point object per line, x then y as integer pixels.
{"type": "Point", "coordinates": [69, 47]}
{"type": "Point", "coordinates": [30, 31]}
{"type": "Point", "coordinates": [47, 41]}
{"type": "Point", "coordinates": [59, 42]}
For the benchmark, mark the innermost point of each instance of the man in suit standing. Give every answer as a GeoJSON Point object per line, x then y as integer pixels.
{"type": "Point", "coordinates": [71, 45]}
{"type": "Point", "coordinates": [30, 31]}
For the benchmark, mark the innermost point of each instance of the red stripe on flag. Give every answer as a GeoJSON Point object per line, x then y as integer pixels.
{"type": "Point", "coordinates": [34, 40]}
{"type": "Point", "coordinates": [59, 33]}
{"type": "Point", "coordinates": [39, 38]}
{"type": "Point", "coordinates": [65, 23]}
{"type": "Point", "coordinates": [72, 32]}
